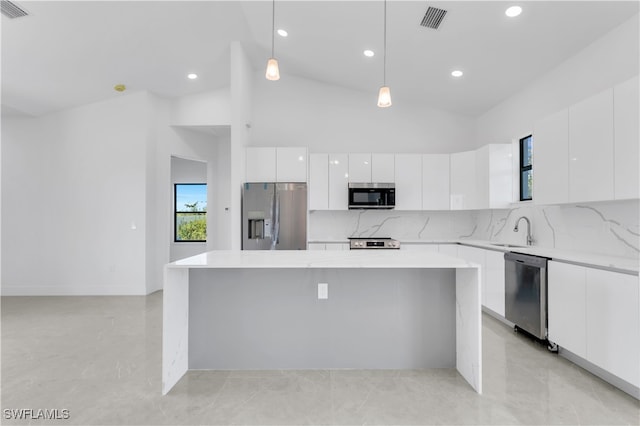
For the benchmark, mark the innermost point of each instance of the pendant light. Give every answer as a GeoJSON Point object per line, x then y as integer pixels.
{"type": "Point", "coordinates": [273, 73]}
{"type": "Point", "coordinates": [384, 95]}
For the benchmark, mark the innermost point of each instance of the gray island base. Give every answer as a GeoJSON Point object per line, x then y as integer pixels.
{"type": "Point", "coordinates": [239, 310]}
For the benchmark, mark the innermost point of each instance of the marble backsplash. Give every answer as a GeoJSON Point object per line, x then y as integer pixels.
{"type": "Point", "coordinates": [610, 228]}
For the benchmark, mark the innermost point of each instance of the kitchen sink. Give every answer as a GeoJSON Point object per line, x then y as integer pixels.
{"type": "Point", "coordinates": [506, 245]}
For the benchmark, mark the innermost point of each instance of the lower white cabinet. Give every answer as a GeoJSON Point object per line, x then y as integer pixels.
{"type": "Point", "coordinates": [613, 334]}
{"type": "Point", "coordinates": [475, 255]}
{"type": "Point", "coordinates": [433, 248]}
{"type": "Point", "coordinates": [316, 246]}
{"type": "Point", "coordinates": [448, 249]}
{"type": "Point", "coordinates": [328, 246]}
{"type": "Point", "coordinates": [492, 275]}
{"type": "Point", "coordinates": [596, 315]}
{"type": "Point", "coordinates": [493, 285]}
{"type": "Point", "coordinates": [566, 287]}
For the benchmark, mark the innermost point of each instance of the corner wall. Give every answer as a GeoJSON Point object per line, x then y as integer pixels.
{"type": "Point", "coordinates": [294, 111]}
{"type": "Point", "coordinates": [74, 202]}
{"type": "Point", "coordinates": [608, 61]}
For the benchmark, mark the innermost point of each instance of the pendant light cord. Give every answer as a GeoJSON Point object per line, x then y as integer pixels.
{"type": "Point", "coordinates": [273, 25]}
{"type": "Point", "coordinates": [384, 59]}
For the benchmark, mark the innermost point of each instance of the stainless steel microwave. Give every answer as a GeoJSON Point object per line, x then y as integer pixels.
{"type": "Point", "coordinates": [372, 195]}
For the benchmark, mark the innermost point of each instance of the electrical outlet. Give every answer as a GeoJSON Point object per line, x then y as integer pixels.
{"type": "Point", "coordinates": [323, 291]}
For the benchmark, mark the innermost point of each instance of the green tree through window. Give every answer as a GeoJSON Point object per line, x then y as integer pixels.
{"type": "Point", "coordinates": [190, 207]}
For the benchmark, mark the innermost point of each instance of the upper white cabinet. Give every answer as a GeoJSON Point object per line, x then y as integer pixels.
{"type": "Point", "coordinates": [591, 149]}
{"type": "Point", "coordinates": [338, 181]}
{"type": "Point", "coordinates": [463, 180]}
{"type": "Point", "coordinates": [627, 134]}
{"type": "Point", "coordinates": [382, 168]}
{"type": "Point", "coordinates": [269, 164]}
{"type": "Point", "coordinates": [567, 306]}
{"type": "Point", "coordinates": [494, 176]}
{"type": "Point", "coordinates": [359, 167]}
{"type": "Point", "coordinates": [435, 182]}
{"type": "Point", "coordinates": [260, 164]}
{"type": "Point", "coordinates": [291, 164]}
{"type": "Point", "coordinates": [408, 179]}
{"type": "Point", "coordinates": [551, 159]}
{"type": "Point", "coordinates": [377, 168]}
{"type": "Point", "coordinates": [318, 181]}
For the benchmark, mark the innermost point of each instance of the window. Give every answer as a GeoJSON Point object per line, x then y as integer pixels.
{"type": "Point", "coordinates": [526, 168]}
{"type": "Point", "coordinates": [190, 212]}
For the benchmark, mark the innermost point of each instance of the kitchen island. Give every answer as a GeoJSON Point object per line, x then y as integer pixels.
{"type": "Point", "coordinates": [384, 309]}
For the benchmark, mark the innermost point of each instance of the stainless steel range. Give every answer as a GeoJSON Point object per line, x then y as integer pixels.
{"type": "Point", "coordinates": [373, 243]}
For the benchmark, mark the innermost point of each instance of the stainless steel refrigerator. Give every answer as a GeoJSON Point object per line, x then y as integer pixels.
{"type": "Point", "coordinates": [274, 216]}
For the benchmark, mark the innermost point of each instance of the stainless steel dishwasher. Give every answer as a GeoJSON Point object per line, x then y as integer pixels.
{"type": "Point", "coordinates": [526, 293]}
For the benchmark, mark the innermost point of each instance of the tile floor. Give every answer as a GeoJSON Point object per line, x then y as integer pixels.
{"type": "Point", "coordinates": [99, 358]}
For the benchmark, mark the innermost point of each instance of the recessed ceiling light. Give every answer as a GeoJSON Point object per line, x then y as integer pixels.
{"type": "Point", "coordinates": [369, 53]}
{"type": "Point", "coordinates": [457, 73]}
{"type": "Point", "coordinates": [192, 76]}
{"type": "Point", "coordinates": [282, 33]}
{"type": "Point", "coordinates": [513, 11]}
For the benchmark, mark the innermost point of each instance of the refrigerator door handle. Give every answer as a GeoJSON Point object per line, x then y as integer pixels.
{"type": "Point", "coordinates": [276, 237]}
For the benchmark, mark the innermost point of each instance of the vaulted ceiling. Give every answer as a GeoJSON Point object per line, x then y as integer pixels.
{"type": "Point", "coordinates": [68, 53]}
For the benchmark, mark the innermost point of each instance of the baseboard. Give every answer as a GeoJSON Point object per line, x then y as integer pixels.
{"type": "Point", "coordinates": [69, 291]}
{"type": "Point", "coordinates": [497, 316]}
{"type": "Point", "coordinates": [616, 381]}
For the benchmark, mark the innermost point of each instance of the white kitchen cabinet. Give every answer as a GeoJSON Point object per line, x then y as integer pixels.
{"type": "Point", "coordinates": [493, 289]}
{"type": "Point", "coordinates": [318, 181]}
{"type": "Point", "coordinates": [338, 181]}
{"type": "Point", "coordinates": [475, 255]}
{"type": "Point", "coordinates": [316, 246]}
{"type": "Point", "coordinates": [626, 136]}
{"type": "Point", "coordinates": [591, 149]}
{"type": "Point", "coordinates": [551, 159]}
{"type": "Point", "coordinates": [567, 307]}
{"type": "Point", "coordinates": [435, 182]}
{"type": "Point", "coordinates": [260, 164]}
{"type": "Point", "coordinates": [612, 323]}
{"type": "Point", "coordinates": [448, 249]}
{"type": "Point", "coordinates": [337, 246]}
{"type": "Point", "coordinates": [383, 168]}
{"type": "Point", "coordinates": [463, 180]}
{"type": "Point", "coordinates": [291, 164]}
{"type": "Point", "coordinates": [359, 167]}
{"type": "Point", "coordinates": [494, 171]}
{"type": "Point", "coordinates": [432, 248]}
{"type": "Point", "coordinates": [408, 179]}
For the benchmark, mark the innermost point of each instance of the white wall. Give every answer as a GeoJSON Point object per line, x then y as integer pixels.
{"type": "Point", "coordinates": [183, 142]}
{"type": "Point", "coordinates": [608, 61]}
{"type": "Point", "coordinates": [73, 190]}
{"type": "Point", "coordinates": [300, 112]}
{"type": "Point", "coordinates": [186, 171]}
{"type": "Point", "coordinates": [212, 108]}
{"type": "Point", "coordinates": [241, 100]}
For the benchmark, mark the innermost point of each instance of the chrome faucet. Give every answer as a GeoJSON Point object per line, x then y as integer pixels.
{"type": "Point", "coordinates": [515, 229]}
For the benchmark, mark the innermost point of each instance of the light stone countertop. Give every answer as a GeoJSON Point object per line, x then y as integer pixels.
{"type": "Point", "coordinates": [227, 259]}
{"type": "Point", "coordinates": [615, 263]}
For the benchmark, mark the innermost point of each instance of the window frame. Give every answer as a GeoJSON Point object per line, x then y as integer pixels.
{"type": "Point", "coordinates": [522, 168]}
{"type": "Point", "coordinates": [176, 211]}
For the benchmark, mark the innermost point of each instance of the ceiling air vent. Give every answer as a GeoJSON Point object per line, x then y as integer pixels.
{"type": "Point", "coordinates": [433, 18]}
{"type": "Point", "coordinates": [12, 10]}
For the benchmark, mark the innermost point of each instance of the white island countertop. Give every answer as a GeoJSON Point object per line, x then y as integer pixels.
{"type": "Point", "coordinates": [232, 259]}
{"type": "Point", "coordinates": [387, 309]}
